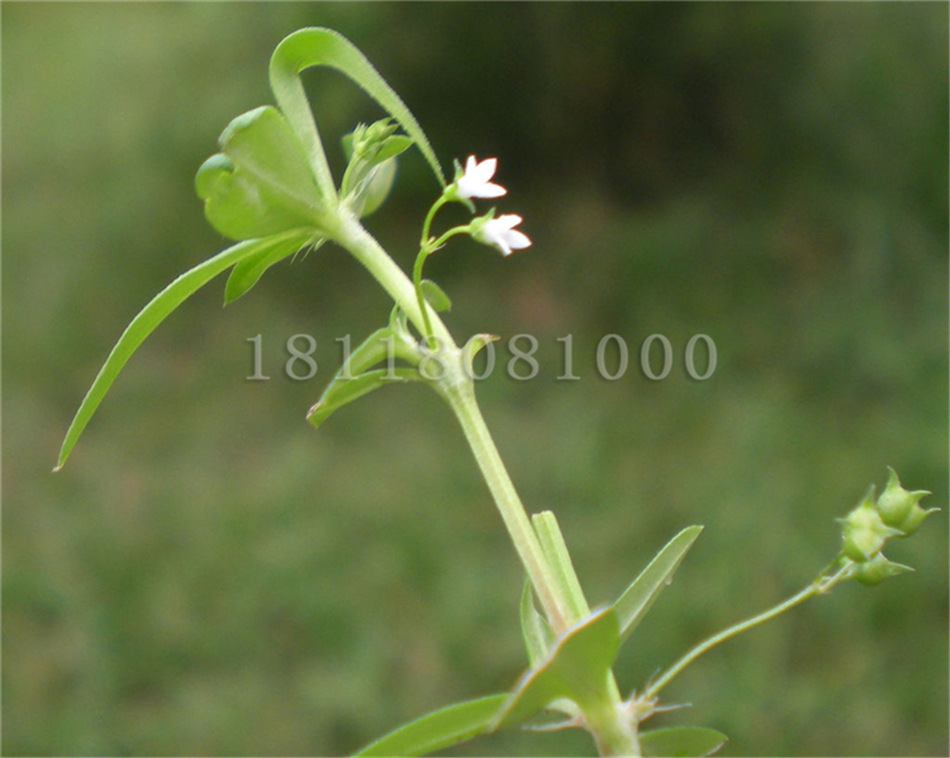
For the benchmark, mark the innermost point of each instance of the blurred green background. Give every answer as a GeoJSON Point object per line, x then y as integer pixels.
{"type": "Point", "coordinates": [210, 576]}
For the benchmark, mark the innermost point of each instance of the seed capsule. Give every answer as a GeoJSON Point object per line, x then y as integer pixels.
{"type": "Point", "coordinates": [899, 508]}
{"type": "Point", "coordinates": [878, 569]}
{"type": "Point", "coordinates": [863, 532]}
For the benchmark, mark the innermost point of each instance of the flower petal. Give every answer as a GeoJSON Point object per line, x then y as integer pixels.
{"type": "Point", "coordinates": [501, 234]}
{"type": "Point", "coordinates": [475, 181]}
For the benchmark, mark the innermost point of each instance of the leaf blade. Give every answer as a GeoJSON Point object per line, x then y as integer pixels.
{"type": "Point", "coordinates": [248, 271]}
{"type": "Point", "coordinates": [575, 669]}
{"type": "Point", "coordinates": [259, 184]}
{"type": "Point", "coordinates": [148, 319]}
{"type": "Point", "coordinates": [435, 296]}
{"type": "Point", "coordinates": [537, 634]}
{"type": "Point", "coordinates": [345, 391]}
{"type": "Point", "coordinates": [636, 600]}
{"type": "Point", "coordinates": [681, 742]}
{"type": "Point", "coordinates": [440, 729]}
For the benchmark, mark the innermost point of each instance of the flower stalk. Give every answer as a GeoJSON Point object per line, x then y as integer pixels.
{"type": "Point", "coordinates": [838, 571]}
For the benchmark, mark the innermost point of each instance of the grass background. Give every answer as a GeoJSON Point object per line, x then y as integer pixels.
{"type": "Point", "coordinates": [209, 576]}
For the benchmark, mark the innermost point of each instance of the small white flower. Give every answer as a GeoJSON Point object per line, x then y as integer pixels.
{"type": "Point", "coordinates": [476, 180]}
{"type": "Point", "coordinates": [501, 233]}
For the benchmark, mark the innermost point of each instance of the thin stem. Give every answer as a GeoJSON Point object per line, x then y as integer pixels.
{"type": "Point", "coordinates": [420, 297]}
{"type": "Point", "coordinates": [551, 595]}
{"type": "Point", "coordinates": [819, 586]}
{"type": "Point", "coordinates": [426, 225]}
{"type": "Point", "coordinates": [429, 247]}
{"type": "Point", "coordinates": [426, 247]}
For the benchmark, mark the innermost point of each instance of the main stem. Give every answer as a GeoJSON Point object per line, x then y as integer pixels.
{"type": "Point", "coordinates": [607, 722]}
{"type": "Point", "coordinates": [461, 398]}
{"type": "Point", "coordinates": [458, 389]}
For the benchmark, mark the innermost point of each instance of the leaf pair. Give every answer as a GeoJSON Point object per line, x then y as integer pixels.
{"type": "Point", "coordinates": [568, 674]}
{"type": "Point", "coordinates": [357, 377]}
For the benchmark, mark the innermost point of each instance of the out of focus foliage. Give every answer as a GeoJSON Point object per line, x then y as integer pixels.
{"type": "Point", "coordinates": [210, 576]}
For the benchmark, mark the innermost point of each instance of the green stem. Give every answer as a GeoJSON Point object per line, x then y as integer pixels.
{"type": "Point", "coordinates": [614, 734]}
{"type": "Point", "coordinates": [429, 247]}
{"type": "Point", "coordinates": [427, 224]}
{"type": "Point", "coordinates": [608, 723]}
{"type": "Point", "coordinates": [461, 398]}
{"type": "Point", "coordinates": [350, 234]}
{"type": "Point", "coordinates": [420, 298]}
{"type": "Point", "coordinates": [819, 586]}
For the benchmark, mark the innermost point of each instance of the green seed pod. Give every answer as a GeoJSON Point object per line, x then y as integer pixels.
{"type": "Point", "coordinates": [863, 533]}
{"type": "Point", "coordinates": [899, 508]}
{"type": "Point", "coordinates": [878, 569]}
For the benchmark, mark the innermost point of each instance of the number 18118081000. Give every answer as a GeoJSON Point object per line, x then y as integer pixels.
{"type": "Point", "coordinates": [611, 358]}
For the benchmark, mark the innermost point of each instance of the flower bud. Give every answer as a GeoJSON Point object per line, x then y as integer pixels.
{"type": "Point", "coordinates": [878, 569]}
{"type": "Point", "coordinates": [899, 508]}
{"type": "Point", "coordinates": [863, 533]}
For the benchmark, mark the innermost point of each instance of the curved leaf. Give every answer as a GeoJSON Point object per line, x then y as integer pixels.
{"type": "Point", "coordinates": [353, 380]}
{"type": "Point", "coordinates": [575, 669]}
{"type": "Point", "coordinates": [315, 46]}
{"type": "Point", "coordinates": [435, 296]}
{"type": "Point", "coordinates": [346, 391]}
{"type": "Point", "coordinates": [259, 184]}
{"type": "Point", "coordinates": [439, 729]}
{"type": "Point", "coordinates": [153, 314]}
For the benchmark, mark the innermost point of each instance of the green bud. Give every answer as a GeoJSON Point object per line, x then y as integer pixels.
{"type": "Point", "coordinates": [863, 533]}
{"type": "Point", "coordinates": [878, 569]}
{"type": "Point", "coordinates": [899, 508]}
{"type": "Point", "coordinates": [371, 151]}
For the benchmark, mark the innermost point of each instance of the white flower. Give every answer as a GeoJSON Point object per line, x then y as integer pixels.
{"type": "Point", "coordinates": [500, 232]}
{"type": "Point", "coordinates": [476, 180]}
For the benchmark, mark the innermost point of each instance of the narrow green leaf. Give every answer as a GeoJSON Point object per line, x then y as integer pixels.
{"type": "Point", "coordinates": [640, 595]}
{"type": "Point", "coordinates": [343, 391]}
{"type": "Point", "coordinates": [538, 637]}
{"type": "Point", "coordinates": [576, 669]}
{"type": "Point", "coordinates": [681, 742]}
{"type": "Point", "coordinates": [316, 46]}
{"type": "Point", "coordinates": [435, 296]}
{"type": "Point", "coordinates": [248, 272]}
{"type": "Point", "coordinates": [439, 729]}
{"type": "Point", "coordinates": [393, 146]}
{"type": "Point", "coordinates": [383, 344]}
{"type": "Point", "coordinates": [555, 550]}
{"type": "Point", "coordinates": [153, 314]}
